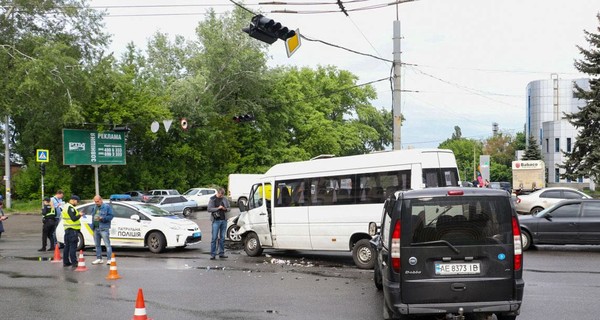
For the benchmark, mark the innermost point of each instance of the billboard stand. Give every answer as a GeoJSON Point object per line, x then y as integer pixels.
{"type": "Point", "coordinates": [96, 180]}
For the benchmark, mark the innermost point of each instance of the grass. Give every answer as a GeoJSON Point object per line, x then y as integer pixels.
{"type": "Point", "coordinates": [24, 206]}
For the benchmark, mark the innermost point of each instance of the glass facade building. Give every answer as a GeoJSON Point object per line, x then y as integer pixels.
{"type": "Point", "coordinates": [547, 101]}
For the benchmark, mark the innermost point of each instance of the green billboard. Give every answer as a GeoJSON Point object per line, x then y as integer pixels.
{"type": "Point", "coordinates": [86, 147]}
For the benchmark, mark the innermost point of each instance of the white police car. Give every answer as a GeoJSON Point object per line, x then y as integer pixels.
{"type": "Point", "coordinates": [137, 224]}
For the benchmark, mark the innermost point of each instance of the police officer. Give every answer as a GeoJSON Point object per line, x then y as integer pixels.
{"type": "Point", "coordinates": [49, 221]}
{"type": "Point", "coordinates": [71, 217]}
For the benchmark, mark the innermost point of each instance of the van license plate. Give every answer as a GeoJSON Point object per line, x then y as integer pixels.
{"type": "Point", "coordinates": [457, 268]}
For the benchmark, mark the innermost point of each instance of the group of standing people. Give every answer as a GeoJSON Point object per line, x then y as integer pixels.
{"type": "Point", "coordinates": [55, 209]}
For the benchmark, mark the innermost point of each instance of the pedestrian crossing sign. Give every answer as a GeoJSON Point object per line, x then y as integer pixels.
{"type": "Point", "coordinates": [42, 155]}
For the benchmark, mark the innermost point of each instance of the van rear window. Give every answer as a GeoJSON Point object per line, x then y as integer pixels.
{"type": "Point", "coordinates": [458, 220]}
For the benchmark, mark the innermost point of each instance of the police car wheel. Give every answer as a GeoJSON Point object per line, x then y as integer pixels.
{"type": "Point", "coordinates": [231, 233]}
{"type": "Point", "coordinates": [80, 241]}
{"type": "Point", "coordinates": [156, 242]}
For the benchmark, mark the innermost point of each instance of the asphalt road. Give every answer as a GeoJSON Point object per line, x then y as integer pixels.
{"type": "Point", "coordinates": [561, 283]}
{"type": "Point", "coordinates": [180, 284]}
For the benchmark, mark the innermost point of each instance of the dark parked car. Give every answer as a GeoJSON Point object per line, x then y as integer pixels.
{"type": "Point", "coordinates": [138, 196]}
{"type": "Point", "coordinates": [501, 185]}
{"type": "Point", "coordinates": [175, 204]}
{"type": "Point", "coordinates": [574, 221]}
{"type": "Point", "coordinates": [448, 252]}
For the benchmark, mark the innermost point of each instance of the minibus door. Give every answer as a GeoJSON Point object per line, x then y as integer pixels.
{"type": "Point", "coordinates": [256, 219]}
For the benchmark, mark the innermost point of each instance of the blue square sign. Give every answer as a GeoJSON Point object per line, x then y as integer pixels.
{"type": "Point", "coordinates": [42, 155]}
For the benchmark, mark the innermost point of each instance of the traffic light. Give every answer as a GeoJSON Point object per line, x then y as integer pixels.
{"type": "Point", "coordinates": [267, 30]}
{"type": "Point", "coordinates": [43, 168]}
{"type": "Point", "coordinates": [243, 118]}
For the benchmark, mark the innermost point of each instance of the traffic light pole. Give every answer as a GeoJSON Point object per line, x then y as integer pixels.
{"type": "Point", "coordinates": [396, 106]}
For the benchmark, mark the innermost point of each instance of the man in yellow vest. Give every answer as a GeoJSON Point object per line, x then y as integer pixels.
{"type": "Point", "coordinates": [72, 225]}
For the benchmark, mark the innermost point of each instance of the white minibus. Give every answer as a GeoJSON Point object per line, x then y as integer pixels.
{"type": "Point", "coordinates": [327, 203]}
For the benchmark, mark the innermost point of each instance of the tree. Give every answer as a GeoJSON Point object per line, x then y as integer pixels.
{"type": "Point", "coordinates": [457, 133]}
{"type": "Point", "coordinates": [466, 152]}
{"type": "Point", "coordinates": [533, 150]}
{"type": "Point", "coordinates": [583, 160]}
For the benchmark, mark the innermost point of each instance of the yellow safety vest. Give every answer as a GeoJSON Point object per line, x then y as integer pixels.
{"type": "Point", "coordinates": [67, 222]}
{"type": "Point", "coordinates": [51, 213]}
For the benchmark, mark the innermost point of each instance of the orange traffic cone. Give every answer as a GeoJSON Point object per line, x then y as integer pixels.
{"type": "Point", "coordinates": [140, 307]}
{"type": "Point", "coordinates": [112, 273]}
{"type": "Point", "coordinates": [57, 257]}
{"type": "Point", "coordinates": [81, 263]}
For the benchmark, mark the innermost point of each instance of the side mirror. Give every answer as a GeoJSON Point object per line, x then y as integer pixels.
{"type": "Point", "coordinates": [135, 217]}
{"type": "Point", "coordinates": [373, 229]}
{"type": "Point", "coordinates": [242, 206]}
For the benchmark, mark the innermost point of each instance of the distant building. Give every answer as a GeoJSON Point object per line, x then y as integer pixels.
{"type": "Point", "coordinates": [547, 101]}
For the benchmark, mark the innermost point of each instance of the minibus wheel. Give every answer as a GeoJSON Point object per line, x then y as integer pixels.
{"type": "Point", "coordinates": [252, 245]}
{"type": "Point", "coordinates": [363, 254]}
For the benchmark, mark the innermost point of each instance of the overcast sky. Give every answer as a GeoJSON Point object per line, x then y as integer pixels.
{"type": "Point", "coordinates": [468, 62]}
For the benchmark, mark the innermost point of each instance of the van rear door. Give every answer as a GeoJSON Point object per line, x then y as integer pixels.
{"type": "Point", "coordinates": [456, 249]}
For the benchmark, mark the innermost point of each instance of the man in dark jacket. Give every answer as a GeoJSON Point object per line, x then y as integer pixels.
{"type": "Point", "coordinates": [217, 207]}
{"type": "Point", "coordinates": [49, 225]}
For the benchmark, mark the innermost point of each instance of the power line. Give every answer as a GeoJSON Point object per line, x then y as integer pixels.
{"type": "Point", "coordinates": [343, 48]}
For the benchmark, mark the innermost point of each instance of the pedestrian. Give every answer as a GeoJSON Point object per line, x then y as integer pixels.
{"type": "Point", "coordinates": [217, 207]}
{"type": "Point", "coordinates": [49, 225]}
{"type": "Point", "coordinates": [72, 225]}
{"type": "Point", "coordinates": [57, 203]}
{"type": "Point", "coordinates": [101, 216]}
{"type": "Point", "coordinates": [2, 218]}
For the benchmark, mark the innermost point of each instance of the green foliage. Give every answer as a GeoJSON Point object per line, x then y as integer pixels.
{"type": "Point", "coordinates": [584, 159]}
{"type": "Point", "coordinates": [500, 172]}
{"type": "Point", "coordinates": [533, 150]}
{"type": "Point", "coordinates": [59, 80]}
{"type": "Point", "coordinates": [466, 152]}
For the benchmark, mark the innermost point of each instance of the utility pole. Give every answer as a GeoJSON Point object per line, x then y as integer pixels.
{"type": "Point", "coordinates": [396, 106]}
{"type": "Point", "coordinates": [9, 13]}
{"type": "Point", "coordinates": [7, 160]}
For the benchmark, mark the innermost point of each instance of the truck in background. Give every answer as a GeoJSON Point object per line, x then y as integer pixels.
{"type": "Point", "coordinates": [528, 175]}
{"type": "Point", "coordinates": [238, 187]}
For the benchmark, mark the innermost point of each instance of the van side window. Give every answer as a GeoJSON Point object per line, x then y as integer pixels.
{"type": "Point", "coordinates": [444, 177]}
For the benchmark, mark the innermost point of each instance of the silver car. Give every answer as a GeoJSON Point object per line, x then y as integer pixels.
{"type": "Point", "coordinates": [544, 198]}
{"type": "Point", "coordinates": [175, 204]}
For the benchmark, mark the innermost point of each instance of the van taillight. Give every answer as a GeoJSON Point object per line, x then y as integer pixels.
{"type": "Point", "coordinates": [396, 247]}
{"type": "Point", "coordinates": [518, 258]}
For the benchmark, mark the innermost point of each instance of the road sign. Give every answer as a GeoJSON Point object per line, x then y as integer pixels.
{"type": "Point", "coordinates": [86, 147]}
{"type": "Point", "coordinates": [42, 155]}
{"type": "Point", "coordinates": [293, 43]}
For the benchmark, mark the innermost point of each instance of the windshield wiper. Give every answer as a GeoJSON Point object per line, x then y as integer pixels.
{"type": "Point", "coordinates": [420, 244]}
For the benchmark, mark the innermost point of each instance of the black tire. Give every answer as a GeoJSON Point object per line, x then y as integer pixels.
{"type": "Point", "coordinates": [505, 317]}
{"type": "Point", "coordinates": [364, 254]}
{"type": "Point", "coordinates": [535, 210]}
{"type": "Point", "coordinates": [525, 240]}
{"type": "Point", "coordinates": [187, 211]}
{"type": "Point", "coordinates": [377, 277]}
{"type": "Point", "coordinates": [80, 241]}
{"type": "Point", "coordinates": [252, 245]}
{"type": "Point", "coordinates": [156, 242]}
{"type": "Point", "coordinates": [232, 235]}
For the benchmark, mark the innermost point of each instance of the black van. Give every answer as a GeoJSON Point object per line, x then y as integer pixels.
{"type": "Point", "coordinates": [450, 252]}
